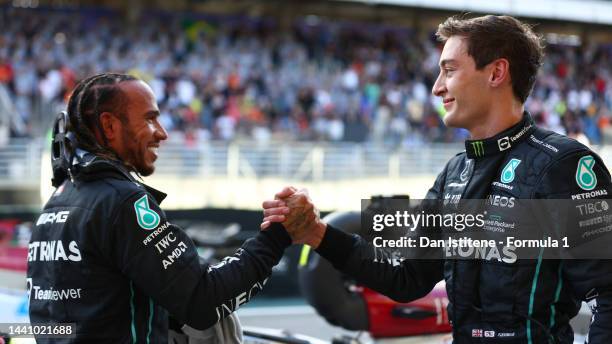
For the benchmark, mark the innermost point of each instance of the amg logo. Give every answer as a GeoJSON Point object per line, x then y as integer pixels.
{"type": "Point", "coordinates": [59, 217]}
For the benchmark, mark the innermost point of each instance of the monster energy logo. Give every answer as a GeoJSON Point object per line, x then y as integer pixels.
{"type": "Point", "coordinates": [146, 217]}
{"type": "Point", "coordinates": [478, 148]}
{"type": "Point", "coordinates": [585, 176]}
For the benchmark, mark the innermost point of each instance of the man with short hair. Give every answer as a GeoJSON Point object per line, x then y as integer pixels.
{"type": "Point", "coordinates": [487, 70]}
{"type": "Point", "coordinates": [103, 255]}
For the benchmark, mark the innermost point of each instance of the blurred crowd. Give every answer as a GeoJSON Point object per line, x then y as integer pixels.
{"type": "Point", "coordinates": [230, 78]}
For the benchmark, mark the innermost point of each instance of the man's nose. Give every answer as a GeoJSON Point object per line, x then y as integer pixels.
{"type": "Point", "coordinates": [161, 132]}
{"type": "Point", "coordinates": [438, 88]}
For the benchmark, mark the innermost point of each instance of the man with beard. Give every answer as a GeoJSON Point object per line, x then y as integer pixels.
{"type": "Point", "coordinates": [102, 254]}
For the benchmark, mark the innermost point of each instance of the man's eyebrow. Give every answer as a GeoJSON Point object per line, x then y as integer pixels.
{"type": "Point", "coordinates": [154, 113]}
{"type": "Point", "coordinates": [445, 62]}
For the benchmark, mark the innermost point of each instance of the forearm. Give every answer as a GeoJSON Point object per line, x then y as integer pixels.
{"type": "Point", "coordinates": [400, 279]}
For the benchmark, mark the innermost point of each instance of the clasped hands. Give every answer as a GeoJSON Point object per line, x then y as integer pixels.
{"type": "Point", "coordinates": [294, 209]}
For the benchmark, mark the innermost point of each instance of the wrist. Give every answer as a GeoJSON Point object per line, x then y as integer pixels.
{"type": "Point", "coordinates": [318, 234]}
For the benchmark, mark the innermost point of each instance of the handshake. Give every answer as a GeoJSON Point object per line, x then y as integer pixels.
{"type": "Point", "coordinates": [295, 211]}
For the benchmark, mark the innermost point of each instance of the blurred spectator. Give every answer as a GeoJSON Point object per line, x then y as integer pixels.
{"type": "Point", "coordinates": [226, 79]}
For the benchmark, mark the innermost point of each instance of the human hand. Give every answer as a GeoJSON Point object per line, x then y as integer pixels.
{"type": "Point", "coordinates": [296, 211]}
{"type": "Point", "coordinates": [276, 210]}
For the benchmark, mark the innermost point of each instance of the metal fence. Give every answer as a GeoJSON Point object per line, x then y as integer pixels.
{"type": "Point", "coordinates": [20, 160]}
{"type": "Point", "coordinates": [301, 161]}
{"type": "Point", "coordinates": [20, 163]}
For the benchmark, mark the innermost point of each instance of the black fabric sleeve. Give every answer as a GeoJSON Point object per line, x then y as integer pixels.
{"type": "Point", "coordinates": [336, 246]}
{"type": "Point", "coordinates": [162, 261]}
{"type": "Point", "coordinates": [382, 270]}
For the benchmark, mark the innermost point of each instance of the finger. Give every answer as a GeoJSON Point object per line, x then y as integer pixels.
{"type": "Point", "coordinates": [264, 225]}
{"type": "Point", "coordinates": [276, 211]}
{"type": "Point", "coordinates": [274, 218]}
{"type": "Point", "coordinates": [296, 200]}
{"type": "Point", "coordinates": [273, 204]}
{"type": "Point", "coordinates": [285, 192]}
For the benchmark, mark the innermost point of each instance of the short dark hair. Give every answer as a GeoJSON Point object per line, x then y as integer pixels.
{"type": "Point", "coordinates": [91, 97]}
{"type": "Point", "coordinates": [492, 37]}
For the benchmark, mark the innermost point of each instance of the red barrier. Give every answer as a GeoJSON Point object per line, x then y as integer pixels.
{"type": "Point", "coordinates": [424, 316]}
{"type": "Point", "coordinates": [14, 258]}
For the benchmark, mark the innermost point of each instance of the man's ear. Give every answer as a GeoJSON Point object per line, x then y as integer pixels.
{"type": "Point", "coordinates": [500, 72]}
{"type": "Point", "coordinates": [110, 125]}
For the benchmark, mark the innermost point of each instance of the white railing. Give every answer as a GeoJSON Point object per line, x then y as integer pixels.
{"type": "Point", "coordinates": [21, 160]}
{"type": "Point", "coordinates": [301, 160]}
{"type": "Point", "coordinates": [20, 163]}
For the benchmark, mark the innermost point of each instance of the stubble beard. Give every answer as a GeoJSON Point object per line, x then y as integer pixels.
{"type": "Point", "coordinates": [137, 155]}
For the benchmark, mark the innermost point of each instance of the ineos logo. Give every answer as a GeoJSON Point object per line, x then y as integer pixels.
{"type": "Point", "coordinates": [501, 201]}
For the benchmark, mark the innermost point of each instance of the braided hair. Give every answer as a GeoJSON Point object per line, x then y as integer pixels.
{"type": "Point", "coordinates": [90, 98]}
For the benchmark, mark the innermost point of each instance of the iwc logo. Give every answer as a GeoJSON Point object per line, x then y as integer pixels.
{"type": "Point", "coordinates": [507, 174]}
{"type": "Point", "coordinates": [146, 217]}
{"type": "Point", "coordinates": [585, 176]}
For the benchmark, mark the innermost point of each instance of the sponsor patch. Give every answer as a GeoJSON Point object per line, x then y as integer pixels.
{"type": "Point", "coordinates": [585, 176]}
{"type": "Point", "coordinates": [592, 194]}
{"type": "Point", "coordinates": [53, 251]}
{"type": "Point", "coordinates": [465, 174]}
{"type": "Point", "coordinates": [147, 218]}
{"type": "Point", "coordinates": [477, 333]}
{"type": "Point", "coordinates": [544, 144]}
{"type": "Point", "coordinates": [505, 334]}
{"type": "Point", "coordinates": [503, 143]}
{"type": "Point", "coordinates": [59, 217]}
{"type": "Point", "coordinates": [503, 186]}
{"type": "Point", "coordinates": [37, 293]}
{"type": "Point", "coordinates": [507, 174]}
{"type": "Point", "coordinates": [501, 201]}
{"type": "Point", "coordinates": [478, 148]}
{"type": "Point", "coordinates": [593, 207]}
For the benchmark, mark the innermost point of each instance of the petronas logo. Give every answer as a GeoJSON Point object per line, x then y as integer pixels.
{"type": "Point", "coordinates": [585, 177]}
{"type": "Point", "coordinates": [478, 148]}
{"type": "Point", "coordinates": [507, 174]}
{"type": "Point", "coordinates": [147, 218]}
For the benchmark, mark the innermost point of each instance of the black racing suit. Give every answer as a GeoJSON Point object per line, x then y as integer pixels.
{"type": "Point", "coordinates": [104, 256]}
{"type": "Point", "coordinates": [527, 301]}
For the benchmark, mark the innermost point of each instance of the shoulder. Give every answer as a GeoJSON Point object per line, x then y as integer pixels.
{"type": "Point", "coordinates": [455, 162]}
{"type": "Point", "coordinates": [545, 149]}
{"type": "Point", "coordinates": [564, 165]}
{"type": "Point", "coordinates": [555, 144]}
{"type": "Point", "coordinates": [107, 193]}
